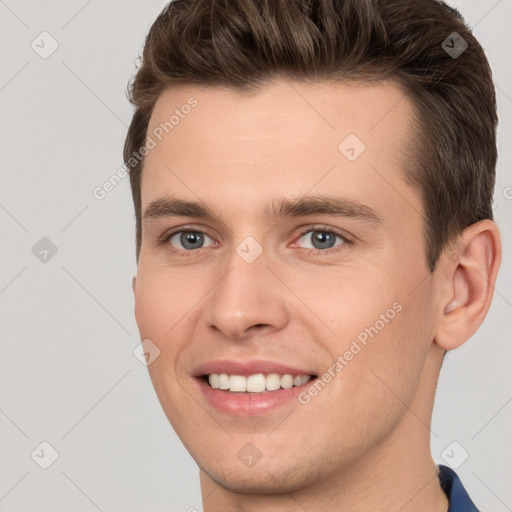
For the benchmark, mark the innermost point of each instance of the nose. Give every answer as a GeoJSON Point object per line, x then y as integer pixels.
{"type": "Point", "coordinates": [248, 298]}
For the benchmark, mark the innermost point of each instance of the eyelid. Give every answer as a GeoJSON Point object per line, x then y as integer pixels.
{"type": "Point", "coordinates": [167, 235]}
{"type": "Point", "coordinates": [327, 229]}
{"type": "Point", "coordinates": [347, 240]}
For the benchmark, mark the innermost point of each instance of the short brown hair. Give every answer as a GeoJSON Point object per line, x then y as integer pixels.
{"type": "Point", "coordinates": [244, 44]}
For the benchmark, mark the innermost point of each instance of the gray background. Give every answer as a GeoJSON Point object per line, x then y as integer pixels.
{"type": "Point", "coordinates": [68, 375]}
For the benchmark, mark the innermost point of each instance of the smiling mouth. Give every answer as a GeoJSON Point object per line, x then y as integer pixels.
{"type": "Point", "coordinates": [256, 383]}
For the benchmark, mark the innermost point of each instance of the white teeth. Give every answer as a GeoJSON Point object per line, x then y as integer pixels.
{"type": "Point", "coordinates": [273, 382]}
{"type": "Point", "coordinates": [304, 379]}
{"type": "Point", "coordinates": [237, 383]}
{"type": "Point", "coordinates": [214, 380]}
{"type": "Point", "coordinates": [257, 383]}
{"type": "Point", "coordinates": [223, 381]}
{"type": "Point", "coordinates": [287, 381]}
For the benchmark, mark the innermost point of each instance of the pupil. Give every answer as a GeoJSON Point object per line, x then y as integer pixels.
{"type": "Point", "coordinates": [191, 240]}
{"type": "Point", "coordinates": [324, 239]}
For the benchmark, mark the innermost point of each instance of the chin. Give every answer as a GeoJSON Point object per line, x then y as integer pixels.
{"type": "Point", "coordinates": [251, 481]}
{"type": "Point", "coordinates": [281, 476]}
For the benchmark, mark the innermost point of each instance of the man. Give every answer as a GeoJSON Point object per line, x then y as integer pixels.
{"type": "Point", "coordinates": [313, 187]}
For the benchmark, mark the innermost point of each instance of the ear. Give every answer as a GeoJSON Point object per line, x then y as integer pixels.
{"type": "Point", "coordinates": [469, 276]}
{"type": "Point", "coordinates": [134, 279]}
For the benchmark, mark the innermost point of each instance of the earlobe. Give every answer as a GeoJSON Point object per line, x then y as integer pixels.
{"type": "Point", "coordinates": [471, 277]}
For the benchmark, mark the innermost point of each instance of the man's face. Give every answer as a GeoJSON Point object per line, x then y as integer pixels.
{"type": "Point", "coordinates": [247, 294]}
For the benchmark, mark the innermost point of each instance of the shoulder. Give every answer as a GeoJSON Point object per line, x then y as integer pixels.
{"type": "Point", "coordinates": [455, 491]}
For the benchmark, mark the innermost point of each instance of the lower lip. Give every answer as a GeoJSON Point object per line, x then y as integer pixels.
{"type": "Point", "coordinates": [250, 404]}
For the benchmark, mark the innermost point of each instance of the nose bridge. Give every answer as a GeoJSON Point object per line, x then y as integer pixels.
{"type": "Point", "coordinates": [247, 295]}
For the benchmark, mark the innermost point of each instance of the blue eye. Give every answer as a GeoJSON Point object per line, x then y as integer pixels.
{"type": "Point", "coordinates": [322, 239]}
{"type": "Point", "coordinates": [189, 240]}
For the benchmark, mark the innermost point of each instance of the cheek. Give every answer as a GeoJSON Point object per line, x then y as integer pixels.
{"type": "Point", "coordinates": [347, 300]}
{"type": "Point", "coordinates": [393, 360]}
{"type": "Point", "coordinates": [152, 312]}
{"type": "Point", "coordinates": [159, 306]}
{"type": "Point", "coordinates": [381, 331]}
{"type": "Point", "coordinates": [165, 314]}
{"type": "Point", "coordinates": [161, 301]}
{"type": "Point", "coordinates": [380, 382]}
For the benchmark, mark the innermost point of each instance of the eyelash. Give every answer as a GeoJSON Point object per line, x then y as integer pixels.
{"type": "Point", "coordinates": [330, 231]}
{"type": "Point", "coordinates": [312, 252]}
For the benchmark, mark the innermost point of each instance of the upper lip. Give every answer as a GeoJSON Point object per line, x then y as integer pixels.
{"type": "Point", "coordinates": [247, 368]}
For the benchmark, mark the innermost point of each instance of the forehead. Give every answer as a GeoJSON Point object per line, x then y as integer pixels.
{"type": "Point", "coordinates": [296, 137]}
{"type": "Point", "coordinates": [300, 109]}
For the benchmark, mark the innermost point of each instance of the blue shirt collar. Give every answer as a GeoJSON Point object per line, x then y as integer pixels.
{"type": "Point", "coordinates": [454, 490]}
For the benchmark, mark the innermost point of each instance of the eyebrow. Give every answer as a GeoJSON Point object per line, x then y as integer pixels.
{"type": "Point", "coordinates": [274, 210]}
